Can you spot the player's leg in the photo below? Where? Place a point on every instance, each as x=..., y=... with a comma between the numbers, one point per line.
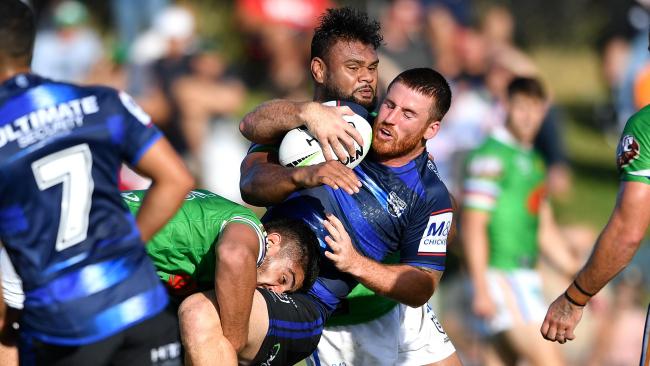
x=201, y=332
x=371, y=343
x=527, y=344
x=423, y=341
x=9, y=337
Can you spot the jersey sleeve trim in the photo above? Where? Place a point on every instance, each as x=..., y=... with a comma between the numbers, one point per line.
x=146, y=147
x=479, y=201
x=261, y=235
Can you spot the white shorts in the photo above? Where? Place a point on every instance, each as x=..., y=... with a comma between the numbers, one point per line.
x=12, y=286
x=404, y=336
x=518, y=298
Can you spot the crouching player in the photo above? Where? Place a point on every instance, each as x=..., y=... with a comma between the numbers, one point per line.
x=218, y=249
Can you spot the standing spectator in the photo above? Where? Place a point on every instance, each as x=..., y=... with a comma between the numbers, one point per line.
x=504, y=210
x=70, y=50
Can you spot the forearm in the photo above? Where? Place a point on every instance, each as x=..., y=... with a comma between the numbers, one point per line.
x=266, y=184
x=271, y=120
x=475, y=245
x=404, y=283
x=614, y=249
x=235, y=286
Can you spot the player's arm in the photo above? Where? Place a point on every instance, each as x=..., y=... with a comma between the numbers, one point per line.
x=235, y=280
x=552, y=243
x=614, y=249
x=475, y=242
x=170, y=183
x=407, y=284
x=265, y=182
x=268, y=123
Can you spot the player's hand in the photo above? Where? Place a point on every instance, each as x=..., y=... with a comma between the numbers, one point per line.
x=331, y=173
x=327, y=125
x=561, y=320
x=483, y=306
x=343, y=253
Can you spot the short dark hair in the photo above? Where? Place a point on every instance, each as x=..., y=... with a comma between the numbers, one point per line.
x=344, y=24
x=300, y=244
x=431, y=83
x=17, y=31
x=530, y=87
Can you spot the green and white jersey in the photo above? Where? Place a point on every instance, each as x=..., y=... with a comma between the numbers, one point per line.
x=633, y=155
x=507, y=181
x=183, y=251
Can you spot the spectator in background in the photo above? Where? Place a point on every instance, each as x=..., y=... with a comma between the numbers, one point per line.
x=190, y=84
x=70, y=50
x=132, y=17
x=405, y=45
x=504, y=211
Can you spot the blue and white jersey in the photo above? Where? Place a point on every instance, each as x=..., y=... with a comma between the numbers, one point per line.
x=405, y=210
x=72, y=240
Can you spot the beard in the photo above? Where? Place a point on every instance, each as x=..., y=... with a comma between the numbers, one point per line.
x=398, y=146
x=331, y=92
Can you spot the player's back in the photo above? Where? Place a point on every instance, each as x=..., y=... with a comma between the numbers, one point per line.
x=72, y=241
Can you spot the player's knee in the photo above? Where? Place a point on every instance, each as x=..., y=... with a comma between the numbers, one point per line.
x=198, y=319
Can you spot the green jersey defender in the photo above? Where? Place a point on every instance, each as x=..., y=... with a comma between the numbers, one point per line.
x=183, y=251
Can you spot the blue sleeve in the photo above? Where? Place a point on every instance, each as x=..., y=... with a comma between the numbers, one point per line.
x=133, y=130
x=424, y=243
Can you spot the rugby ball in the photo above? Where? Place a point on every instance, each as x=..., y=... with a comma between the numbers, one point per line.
x=299, y=148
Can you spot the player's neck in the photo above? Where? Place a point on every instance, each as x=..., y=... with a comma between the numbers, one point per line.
x=9, y=70
x=398, y=161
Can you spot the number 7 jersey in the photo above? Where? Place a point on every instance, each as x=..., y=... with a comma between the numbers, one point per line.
x=72, y=240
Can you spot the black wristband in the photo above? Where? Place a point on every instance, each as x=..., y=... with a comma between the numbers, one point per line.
x=572, y=301
x=575, y=283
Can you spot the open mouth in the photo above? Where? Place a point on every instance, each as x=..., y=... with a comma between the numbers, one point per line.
x=385, y=133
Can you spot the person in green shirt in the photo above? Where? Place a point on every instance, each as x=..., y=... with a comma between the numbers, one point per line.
x=619, y=240
x=504, y=209
x=219, y=249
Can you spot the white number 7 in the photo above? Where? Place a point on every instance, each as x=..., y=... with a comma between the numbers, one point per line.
x=72, y=168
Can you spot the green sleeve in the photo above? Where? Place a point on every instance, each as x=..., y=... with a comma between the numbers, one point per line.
x=482, y=182
x=633, y=152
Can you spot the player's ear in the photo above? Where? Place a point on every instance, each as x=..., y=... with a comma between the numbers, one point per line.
x=432, y=130
x=318, y=69
x=274, y=241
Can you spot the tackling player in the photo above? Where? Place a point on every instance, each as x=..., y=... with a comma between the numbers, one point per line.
x=619, y=240
x=91, y=292
x=344, y=66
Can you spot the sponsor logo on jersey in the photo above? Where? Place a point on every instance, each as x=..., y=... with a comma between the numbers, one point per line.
x=272, y=355
x=628, y=150
x=130, y=196
x=198, y=195
x=434, y=238
x=135, y=109
x=396, y=205
x=168, y=352
x=45, y=122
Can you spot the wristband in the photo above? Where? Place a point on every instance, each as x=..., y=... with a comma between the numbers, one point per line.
x=575, y=283
x=566, y=295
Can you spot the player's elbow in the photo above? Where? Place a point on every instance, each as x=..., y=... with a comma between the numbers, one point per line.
x=184, y=181
x=235, y=257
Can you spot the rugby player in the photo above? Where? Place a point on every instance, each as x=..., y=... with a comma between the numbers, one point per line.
x=504, y=209
x=91, y=293
x=619, y=240
x=344, y=66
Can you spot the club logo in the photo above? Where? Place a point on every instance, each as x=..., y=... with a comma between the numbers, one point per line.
x=628, y=150
x=396, y=205
x=272, y=355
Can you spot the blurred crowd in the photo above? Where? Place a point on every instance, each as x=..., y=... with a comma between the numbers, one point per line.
x=155, y=51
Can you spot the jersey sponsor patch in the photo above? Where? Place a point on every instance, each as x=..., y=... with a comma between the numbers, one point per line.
x=628, y=150
x=135, y=109
x=434, y=238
